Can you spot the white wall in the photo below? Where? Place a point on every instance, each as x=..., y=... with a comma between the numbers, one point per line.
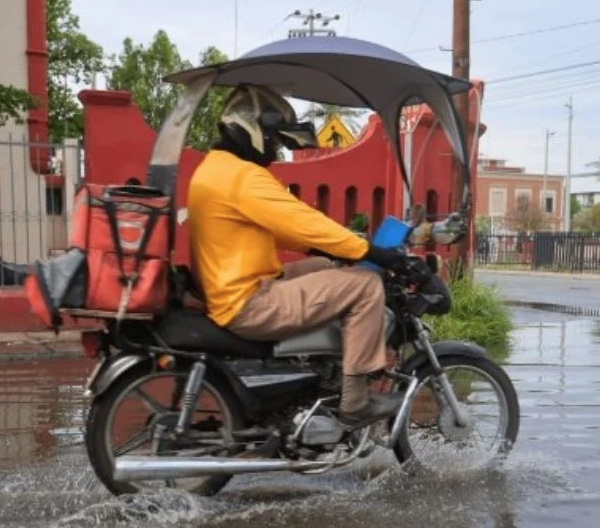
x=22, y=192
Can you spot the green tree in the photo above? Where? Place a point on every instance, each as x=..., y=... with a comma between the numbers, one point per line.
x=72, y=59
x=140, y=70
x=575, y=207
x=588, y=220
x=13, y=103
x=526, y=217
x=483, y=225
x=204, y=130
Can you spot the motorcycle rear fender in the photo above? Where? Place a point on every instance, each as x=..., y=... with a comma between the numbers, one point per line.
x=441, y=349
x=118, y=365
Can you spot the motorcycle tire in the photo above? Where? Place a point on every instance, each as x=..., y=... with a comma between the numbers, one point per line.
x=97, y=425
x=403, y=450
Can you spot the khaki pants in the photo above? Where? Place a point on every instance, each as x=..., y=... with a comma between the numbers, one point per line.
x=312, y=292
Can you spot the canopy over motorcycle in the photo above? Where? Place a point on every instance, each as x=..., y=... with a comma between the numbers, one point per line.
x=335, y=70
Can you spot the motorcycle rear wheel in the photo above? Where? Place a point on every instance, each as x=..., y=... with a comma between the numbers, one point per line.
x=100, y=425
x=447, y=431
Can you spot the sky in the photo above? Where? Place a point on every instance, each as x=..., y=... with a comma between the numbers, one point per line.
x=517, y=112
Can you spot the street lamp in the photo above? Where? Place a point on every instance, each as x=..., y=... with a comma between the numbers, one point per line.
x=549, y=134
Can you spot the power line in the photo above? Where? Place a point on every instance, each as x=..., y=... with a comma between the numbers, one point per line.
x=544, y=72
x=547, y=58
x=536, y=98
x=416, y=23
x=538, y=31
x=558, y=85
x=517, y=35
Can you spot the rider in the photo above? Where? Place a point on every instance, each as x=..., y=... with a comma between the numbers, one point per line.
x=240, y=214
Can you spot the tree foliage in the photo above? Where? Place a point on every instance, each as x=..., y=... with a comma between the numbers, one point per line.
x=575, y=207
x=140, y=69
x=526, y=217
x=204, y=131
x=72, y=59
x=13, y=103
x=588, y=220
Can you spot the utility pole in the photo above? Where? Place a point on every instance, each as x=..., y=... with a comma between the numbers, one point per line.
x=309, y=20
x=461, y=39
x=567, y=207
x=549, y=134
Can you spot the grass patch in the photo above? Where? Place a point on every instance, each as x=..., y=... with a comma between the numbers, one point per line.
x=478, y=315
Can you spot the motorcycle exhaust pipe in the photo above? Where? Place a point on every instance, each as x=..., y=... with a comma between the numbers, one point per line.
x=136, y=468
x=132, y=468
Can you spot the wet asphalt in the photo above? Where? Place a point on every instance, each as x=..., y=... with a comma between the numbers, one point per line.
x=550, y=479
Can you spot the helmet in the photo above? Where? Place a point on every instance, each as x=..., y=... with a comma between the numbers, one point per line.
x=260, y=118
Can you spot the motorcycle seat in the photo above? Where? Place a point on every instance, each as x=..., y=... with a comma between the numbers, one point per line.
x=193, y=330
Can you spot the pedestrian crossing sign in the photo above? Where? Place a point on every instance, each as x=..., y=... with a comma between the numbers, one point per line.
x=335, y=134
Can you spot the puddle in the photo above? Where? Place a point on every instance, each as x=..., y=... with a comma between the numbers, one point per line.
x=550, y=478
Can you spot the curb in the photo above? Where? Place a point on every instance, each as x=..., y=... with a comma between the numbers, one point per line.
x=21, y=346
x=560, y=275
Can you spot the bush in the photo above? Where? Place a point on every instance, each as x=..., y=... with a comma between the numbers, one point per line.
x=478, y=315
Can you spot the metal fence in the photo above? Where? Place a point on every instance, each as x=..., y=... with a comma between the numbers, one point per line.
x=574, y=252
x=37, y=181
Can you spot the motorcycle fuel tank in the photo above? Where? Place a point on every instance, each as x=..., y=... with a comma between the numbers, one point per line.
x=323, y=340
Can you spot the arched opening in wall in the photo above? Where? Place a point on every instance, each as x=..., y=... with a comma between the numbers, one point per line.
x=323, y=198
x=295, y=189
x=432, y=205
x=377, y=210
x=350, y=205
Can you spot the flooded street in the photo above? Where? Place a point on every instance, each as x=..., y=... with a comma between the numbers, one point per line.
x=550, y=479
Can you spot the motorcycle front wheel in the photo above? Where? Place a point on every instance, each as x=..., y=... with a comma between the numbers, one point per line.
x=128, y=419
x=431, y=439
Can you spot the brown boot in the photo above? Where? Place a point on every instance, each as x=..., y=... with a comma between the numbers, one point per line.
x=359, y=408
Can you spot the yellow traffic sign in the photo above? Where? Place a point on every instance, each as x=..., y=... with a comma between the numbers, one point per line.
x=334, y=133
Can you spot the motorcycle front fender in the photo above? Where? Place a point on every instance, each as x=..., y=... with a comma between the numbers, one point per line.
x=441, y=349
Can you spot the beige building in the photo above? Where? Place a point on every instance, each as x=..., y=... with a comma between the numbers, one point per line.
x=514, y=199
x=32, y=204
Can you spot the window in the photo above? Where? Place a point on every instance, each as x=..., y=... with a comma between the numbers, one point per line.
x=432, y=205
x=294, y=188
x=54, y=201
x=522, y=193
x=523, y=203
x=497, y=201
x=350, y=205
x=549, y=202
x=378, y=209
x=323, y=199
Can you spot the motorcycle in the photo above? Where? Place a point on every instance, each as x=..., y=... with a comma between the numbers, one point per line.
x=177, y=401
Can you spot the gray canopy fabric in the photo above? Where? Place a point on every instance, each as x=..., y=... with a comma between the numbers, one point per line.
x=335, y=70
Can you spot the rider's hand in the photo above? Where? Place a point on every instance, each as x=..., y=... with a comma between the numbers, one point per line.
x=418, y=272
x=393, y=259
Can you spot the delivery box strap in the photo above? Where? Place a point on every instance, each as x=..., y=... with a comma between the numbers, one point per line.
x=110, y=209
x=124, y=301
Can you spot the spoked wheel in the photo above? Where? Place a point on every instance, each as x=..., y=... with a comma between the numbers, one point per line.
x=133, y=415
x=431, y=439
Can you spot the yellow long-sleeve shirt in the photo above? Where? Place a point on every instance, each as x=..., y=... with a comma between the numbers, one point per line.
x=239, y=214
